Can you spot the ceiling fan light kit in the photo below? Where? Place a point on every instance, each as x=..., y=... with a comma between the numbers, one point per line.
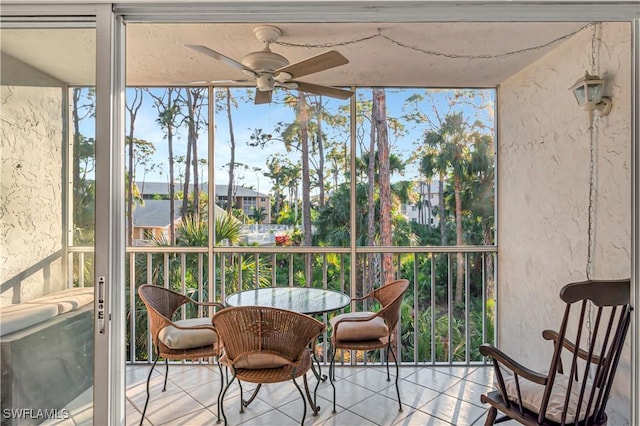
x=271, y=69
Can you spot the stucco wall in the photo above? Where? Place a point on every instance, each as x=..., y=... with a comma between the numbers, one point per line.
x=543, y=191
x=30, y=181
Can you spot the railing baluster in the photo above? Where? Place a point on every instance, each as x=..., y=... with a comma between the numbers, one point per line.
x=449, y=306
x=484, y=300
x=416, y=306
x=467, y=300
x=433, y=308
x=200, y=283
x=132, y=306
x=183, y=280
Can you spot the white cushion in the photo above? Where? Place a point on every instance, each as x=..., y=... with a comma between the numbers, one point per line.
x=176, y=338
x=261, y=360
x=66, y=300
x=532, y=394
x=354, y=331
x=17, y=317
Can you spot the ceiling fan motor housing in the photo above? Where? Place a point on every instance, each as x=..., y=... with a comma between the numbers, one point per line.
x=264, y=61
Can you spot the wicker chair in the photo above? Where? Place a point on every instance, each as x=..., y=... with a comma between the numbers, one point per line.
x=176, y=340
x=366, y=331
x=578, y=397
x=266, y=345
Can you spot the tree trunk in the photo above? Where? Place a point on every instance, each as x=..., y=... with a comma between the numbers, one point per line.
x=443, y=224
x=428, y=203
x=490, y=282
x=306, y=181
x=172, y=189
x=370, y=275
x=133, y=111
x=384, y=181
x=232, y=160
x=320, y=145
x=457, y=188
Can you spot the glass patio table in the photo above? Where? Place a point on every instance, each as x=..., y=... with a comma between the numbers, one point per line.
x=305, y=300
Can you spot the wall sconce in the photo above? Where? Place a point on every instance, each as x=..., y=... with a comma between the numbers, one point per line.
x=588, y=93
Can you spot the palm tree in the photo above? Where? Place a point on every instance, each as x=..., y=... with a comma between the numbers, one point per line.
x=458, y=151
x=258, y=216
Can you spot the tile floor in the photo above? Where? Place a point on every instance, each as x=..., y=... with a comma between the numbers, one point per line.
x=436, y=396
x=431, y=396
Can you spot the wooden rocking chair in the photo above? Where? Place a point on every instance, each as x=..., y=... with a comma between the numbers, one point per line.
x=579, y=396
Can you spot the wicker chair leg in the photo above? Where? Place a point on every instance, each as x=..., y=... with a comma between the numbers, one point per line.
x=253, y=396
x=332, y=376
x=395, y=358
x=312, y=401
x=387, y=363
x=241, y=400
x=221, y=388
x=166, y=374
x=304, y=401
x=224, y=392
x=144, y=410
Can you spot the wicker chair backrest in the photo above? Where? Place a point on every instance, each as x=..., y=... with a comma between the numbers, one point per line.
x=250, y=329
x=390, y=297
x=161, y=304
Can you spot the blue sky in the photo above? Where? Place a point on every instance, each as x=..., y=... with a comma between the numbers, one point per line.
x=249, y=116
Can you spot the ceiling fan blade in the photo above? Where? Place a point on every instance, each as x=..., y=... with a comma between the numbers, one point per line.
x=263, y=97
x=219, y=56
x=317, y=63
x=316, y=89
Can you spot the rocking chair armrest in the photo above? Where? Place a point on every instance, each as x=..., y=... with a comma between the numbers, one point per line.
x=567, y=344
x=511, y=364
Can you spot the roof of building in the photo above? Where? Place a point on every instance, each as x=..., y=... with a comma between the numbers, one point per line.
x=155, y=213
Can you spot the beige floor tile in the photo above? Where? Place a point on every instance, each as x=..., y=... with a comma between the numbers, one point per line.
x=132, y=415
x=347, y=393
x=232, y=409
x=381, y=410
x=373, y=379
x=419, y=418
x=347, y=418
x=188, y=377
x=468, y=391
x=197, y=418
x=411, y=394
x=294, y=410
x=164, y=406
x=272, y=418
x=482, y=376
x=453, y=410
x=433, y=379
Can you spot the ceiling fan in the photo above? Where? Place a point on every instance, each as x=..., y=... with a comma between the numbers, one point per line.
x=270, y=69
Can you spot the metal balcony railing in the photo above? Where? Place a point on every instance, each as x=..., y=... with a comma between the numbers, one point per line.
x=439, y=324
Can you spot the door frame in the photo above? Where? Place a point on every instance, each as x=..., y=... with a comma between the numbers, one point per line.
x=109, y=361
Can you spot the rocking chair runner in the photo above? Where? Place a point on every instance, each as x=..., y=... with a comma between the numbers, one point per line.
x=580, y=396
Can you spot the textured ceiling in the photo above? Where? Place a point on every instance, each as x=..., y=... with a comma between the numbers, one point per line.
x=156, y=53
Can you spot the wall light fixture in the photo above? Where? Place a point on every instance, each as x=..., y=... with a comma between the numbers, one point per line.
x=588, y=93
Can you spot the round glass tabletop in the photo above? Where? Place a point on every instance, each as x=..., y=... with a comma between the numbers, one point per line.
x=299, y=299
